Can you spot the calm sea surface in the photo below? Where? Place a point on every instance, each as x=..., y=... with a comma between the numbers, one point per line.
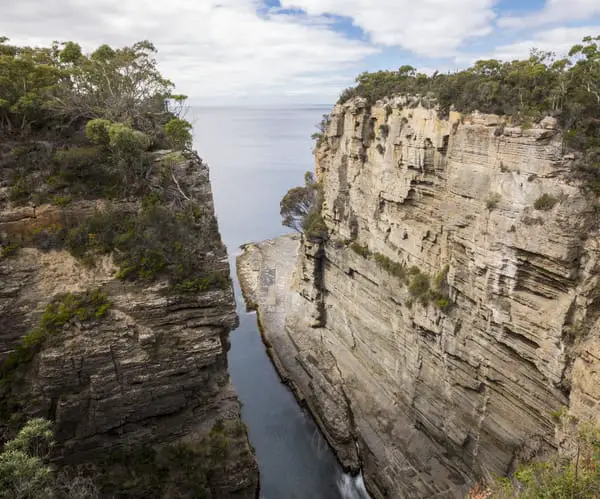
x=255, y=156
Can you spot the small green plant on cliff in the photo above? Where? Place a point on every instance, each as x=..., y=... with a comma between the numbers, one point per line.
x=320, y=136
x=91, y=305
x=360, y=250
x=8, y=250
x=492, y=201
x=394, y=268
x=545, y=202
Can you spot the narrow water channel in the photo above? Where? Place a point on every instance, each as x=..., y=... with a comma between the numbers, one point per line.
x=255, y=156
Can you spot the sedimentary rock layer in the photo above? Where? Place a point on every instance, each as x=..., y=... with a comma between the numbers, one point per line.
x=151, y=372
x=441, y=388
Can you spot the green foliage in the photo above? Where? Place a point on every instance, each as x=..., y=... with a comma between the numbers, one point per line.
x=215, y=280
x=97, y=131
x=394, y=268
x=184, y=469
x=545, y=202
x=8, y=250
x=23, y=470
x=57, y=86
x=301, y=207
x=92, y=305
x=492, y=201
x=419, y=287
x=152, y=243
x=127, y=143
x=361, y=250
x=179, y=133
x=321, y=136
x=576, y=474
x=61, y=201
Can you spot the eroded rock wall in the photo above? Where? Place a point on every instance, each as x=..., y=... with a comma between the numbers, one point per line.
x=152, y=371
x=440, y=394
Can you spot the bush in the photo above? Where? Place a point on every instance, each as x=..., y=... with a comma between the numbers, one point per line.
x=419, y=287
x=23, y=470
x=396, y=269
x=8, y=250
x=179, y=133
x=545, y=202
x=360, y=250
x=492, y=201
x=574, y=475
x=156, y=242
x=97, y=132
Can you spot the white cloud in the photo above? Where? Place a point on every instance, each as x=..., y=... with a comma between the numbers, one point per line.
x=210, y=48
x=554, y=11
x=557, y=40
x=430, y=28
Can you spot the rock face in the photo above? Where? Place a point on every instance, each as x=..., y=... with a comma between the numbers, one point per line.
x=438, y=390
x=153, y=371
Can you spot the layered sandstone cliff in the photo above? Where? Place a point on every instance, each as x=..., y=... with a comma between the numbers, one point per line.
x=150, y=371
x=441, y=383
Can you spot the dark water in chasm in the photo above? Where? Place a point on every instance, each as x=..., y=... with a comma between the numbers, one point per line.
x=255, y=155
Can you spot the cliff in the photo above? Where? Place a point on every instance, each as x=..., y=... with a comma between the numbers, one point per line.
x=453, y=309
x=125, y=368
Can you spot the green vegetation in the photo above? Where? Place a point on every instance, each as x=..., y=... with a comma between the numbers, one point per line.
x=526, y=90
x=151, y=243
x=187, y=467
x=361, y=250
x=492, y=201
x=117, y=95
x=394, y=268
x=8, y=250
x=301, y=209
x=24, y=470
x=573, y=474
x=321, y=135
x=92, y=305
x=420, y=286
x=545, y=202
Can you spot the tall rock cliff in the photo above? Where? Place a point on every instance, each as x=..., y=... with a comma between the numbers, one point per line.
x=453, y=309
x=133, y=367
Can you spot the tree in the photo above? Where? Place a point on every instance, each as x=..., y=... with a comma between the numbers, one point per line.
x=300, y=208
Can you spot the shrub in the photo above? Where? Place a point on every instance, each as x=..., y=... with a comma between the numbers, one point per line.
x=576, y=474
x=384, y=130
x=419, y=287
x=492, y=201
x=545, y=202
x=360, y=250
x=179, y=133
x=61, y=201
x=23, y=472
x=8, y=250
x=396, y=269
x=97, y=132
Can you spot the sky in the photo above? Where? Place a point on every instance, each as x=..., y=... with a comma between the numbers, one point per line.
x=260, y=52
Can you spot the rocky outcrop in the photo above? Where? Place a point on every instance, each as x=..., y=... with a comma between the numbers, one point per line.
x=454, y=307
x=152, y=371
